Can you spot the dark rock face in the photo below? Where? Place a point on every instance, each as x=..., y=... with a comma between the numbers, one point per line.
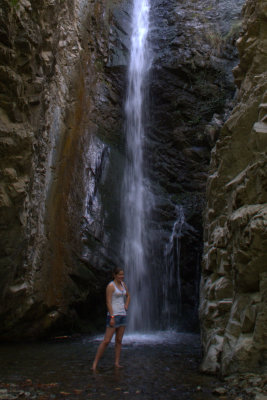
x=191, y=85
x=36, y=67
x=60, y=121
x=233, y=290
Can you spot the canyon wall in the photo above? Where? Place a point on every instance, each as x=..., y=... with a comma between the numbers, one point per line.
x=233, y=307
x=61, y=77
x=62, y=151
x=191, y=92
x=62, y=157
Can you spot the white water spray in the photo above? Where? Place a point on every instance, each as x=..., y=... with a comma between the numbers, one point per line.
x=135, y=192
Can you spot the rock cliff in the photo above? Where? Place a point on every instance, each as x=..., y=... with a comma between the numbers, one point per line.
x=59, y=62
x=233, y=307
x=191, y=90
x=63, y=67
x=62, y=74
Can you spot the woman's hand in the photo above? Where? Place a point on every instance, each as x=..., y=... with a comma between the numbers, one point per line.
x=126, y=307
x=112, y=322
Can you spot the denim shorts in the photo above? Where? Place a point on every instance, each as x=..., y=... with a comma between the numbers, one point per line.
x=120, y=320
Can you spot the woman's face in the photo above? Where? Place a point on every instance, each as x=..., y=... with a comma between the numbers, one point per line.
x=120, y=276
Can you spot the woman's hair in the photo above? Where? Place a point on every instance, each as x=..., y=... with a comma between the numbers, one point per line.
x=117, y=270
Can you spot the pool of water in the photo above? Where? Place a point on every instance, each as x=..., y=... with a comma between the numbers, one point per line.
x=156, y=366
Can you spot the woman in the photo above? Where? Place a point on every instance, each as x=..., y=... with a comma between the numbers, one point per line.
x=118, y=299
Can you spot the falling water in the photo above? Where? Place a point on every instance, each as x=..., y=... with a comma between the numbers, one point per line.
x=135, y=191
x=172, y=296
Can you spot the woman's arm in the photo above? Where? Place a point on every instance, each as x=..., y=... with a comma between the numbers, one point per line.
x=109, y=291
x=128, y=298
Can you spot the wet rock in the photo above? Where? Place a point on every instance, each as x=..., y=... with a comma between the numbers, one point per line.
x=260, y=397
x=220, y=391
x=62, y=143
x=248, y=384
x=234, y=264
x=49, y=75
x=190, y=85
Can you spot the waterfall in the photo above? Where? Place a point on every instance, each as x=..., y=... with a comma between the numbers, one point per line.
x=172, y=296
x=135, y=192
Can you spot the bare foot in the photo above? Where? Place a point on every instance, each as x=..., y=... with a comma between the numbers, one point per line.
x=93, y=368
x=118, y=366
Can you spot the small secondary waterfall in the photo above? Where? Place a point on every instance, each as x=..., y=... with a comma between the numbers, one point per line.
x=135, y=193
x=172, y=296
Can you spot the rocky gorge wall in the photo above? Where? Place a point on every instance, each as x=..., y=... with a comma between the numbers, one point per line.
x=62, y=156
x=62, y=146
x=191, y=91
x=36, y=67
x=233, y=307
x=54, y=89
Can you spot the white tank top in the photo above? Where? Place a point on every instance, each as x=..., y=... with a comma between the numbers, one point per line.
x=118, y=300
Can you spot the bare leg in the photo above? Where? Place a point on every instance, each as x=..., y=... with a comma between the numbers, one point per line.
x=102, y=347
x=118, y=341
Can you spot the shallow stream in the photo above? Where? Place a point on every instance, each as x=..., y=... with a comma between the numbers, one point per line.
x=163, y=365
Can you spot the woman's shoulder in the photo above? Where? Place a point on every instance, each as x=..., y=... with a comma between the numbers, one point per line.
x=111, y=285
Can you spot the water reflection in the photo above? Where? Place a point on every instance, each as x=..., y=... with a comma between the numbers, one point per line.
x=159, y=337
x=163, y=365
